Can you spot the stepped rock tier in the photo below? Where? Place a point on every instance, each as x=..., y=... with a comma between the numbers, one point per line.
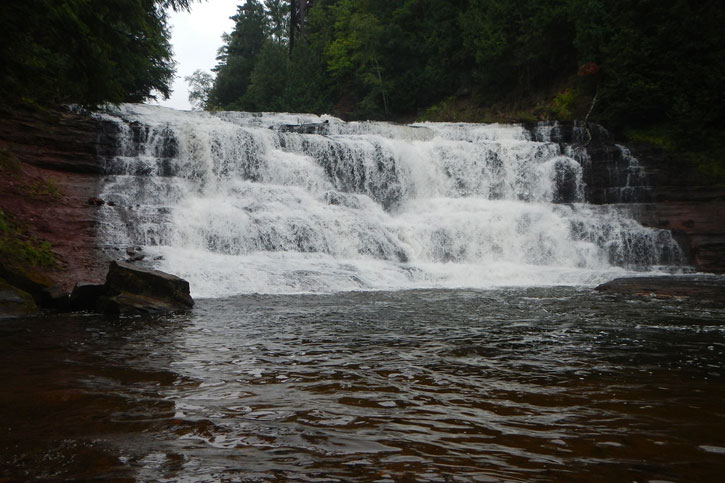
x=285, y=203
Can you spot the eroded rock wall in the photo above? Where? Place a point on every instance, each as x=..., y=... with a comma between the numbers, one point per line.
x=53, y=165
x=659, y=190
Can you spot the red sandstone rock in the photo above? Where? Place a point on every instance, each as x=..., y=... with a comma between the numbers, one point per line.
x=58, y=169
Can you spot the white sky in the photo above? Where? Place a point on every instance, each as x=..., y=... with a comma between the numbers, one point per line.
x=196, y=36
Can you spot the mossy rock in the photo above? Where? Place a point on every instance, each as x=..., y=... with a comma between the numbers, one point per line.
x=15, y=302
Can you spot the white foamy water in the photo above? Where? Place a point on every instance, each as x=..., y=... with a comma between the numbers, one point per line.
x=241, y=203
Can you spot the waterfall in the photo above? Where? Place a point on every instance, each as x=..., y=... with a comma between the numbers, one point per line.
x=285, y=203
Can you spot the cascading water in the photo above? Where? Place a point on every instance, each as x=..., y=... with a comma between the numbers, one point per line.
x=245, y=203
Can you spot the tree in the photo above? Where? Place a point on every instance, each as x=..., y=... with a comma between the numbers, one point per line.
x=238, y=55
x=309, y=87
x=200, y=85
x=268, y=79
x=278, y=14
x=85, y=51
x=354, y=56
x=298, y=13
x=519, y=47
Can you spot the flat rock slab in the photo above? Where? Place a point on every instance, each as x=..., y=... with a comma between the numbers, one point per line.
x=704, y=287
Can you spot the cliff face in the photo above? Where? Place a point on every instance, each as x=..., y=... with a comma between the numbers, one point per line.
x=52, y=165
x=656, y=189
x=683, y=203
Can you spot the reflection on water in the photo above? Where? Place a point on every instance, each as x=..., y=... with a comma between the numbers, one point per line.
x=515, y=385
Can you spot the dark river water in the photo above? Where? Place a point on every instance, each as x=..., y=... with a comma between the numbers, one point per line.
x=532, y=384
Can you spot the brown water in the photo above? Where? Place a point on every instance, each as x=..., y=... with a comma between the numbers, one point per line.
x=512, y=385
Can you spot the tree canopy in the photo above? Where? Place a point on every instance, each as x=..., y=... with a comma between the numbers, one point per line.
x=87, y=52
x=646, y=63
x=649, y=59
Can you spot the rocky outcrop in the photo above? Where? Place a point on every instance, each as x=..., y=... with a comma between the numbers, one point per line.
x=52, y=163
x=130, y=289
x=698, y=225
x=701, y=287
x=610, y=172
x=658, y=190
x=322, y=128
x=15, y=302
x=51, y=169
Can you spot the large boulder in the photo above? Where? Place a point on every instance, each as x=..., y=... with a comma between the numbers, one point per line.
x=132, y=290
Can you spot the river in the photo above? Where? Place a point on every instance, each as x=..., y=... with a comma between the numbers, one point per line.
x=521, y=384
x=375, y=302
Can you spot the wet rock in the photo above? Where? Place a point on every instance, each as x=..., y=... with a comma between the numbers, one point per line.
x=697, y=225
x=701, y=287
x=566, y=188
x=135, y=254
x=130, y=289
x=42, y=288
x=129, y=303
x=15, y=302
x=308, y=128
x=659, y=189
x=54, y=296
x=70, y=152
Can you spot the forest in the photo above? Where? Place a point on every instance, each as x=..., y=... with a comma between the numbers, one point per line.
x=645, y=60
x=648, y=70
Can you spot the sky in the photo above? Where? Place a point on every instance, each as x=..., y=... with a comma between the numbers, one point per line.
x=196, y=36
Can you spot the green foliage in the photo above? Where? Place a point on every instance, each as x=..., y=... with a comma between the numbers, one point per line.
x=278, y=12
x=658, y=137
x=518, y=47
x=18, y=249
x=561, y=106
x=200, y=85
x=238, y=56
x=447, y=110
x=87, y=52
x=268, y=79
x=257, y=71
x=647, y=63
x=355, y=56
x=308, y=85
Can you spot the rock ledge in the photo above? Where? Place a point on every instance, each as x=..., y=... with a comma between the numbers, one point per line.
x=686, y=286
x=133, y=290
